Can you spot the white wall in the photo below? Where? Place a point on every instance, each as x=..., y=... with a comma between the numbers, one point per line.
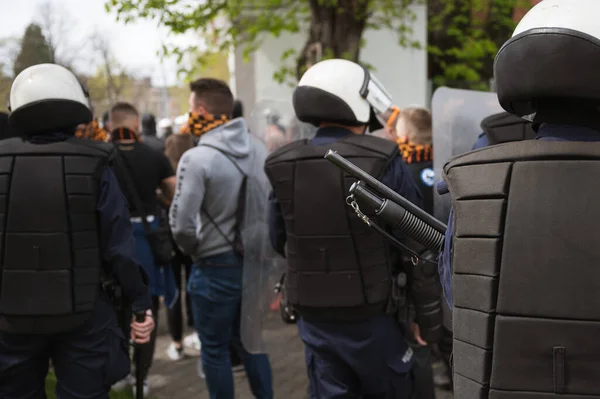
x=402, y=71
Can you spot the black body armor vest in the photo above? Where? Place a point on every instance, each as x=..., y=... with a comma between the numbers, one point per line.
x=49, y=241
x=419, y=159
x=506, y=128
x=339, y=269
x=526, y=271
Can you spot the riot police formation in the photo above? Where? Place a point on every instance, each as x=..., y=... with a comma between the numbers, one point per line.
x=521, y=246
x=66, y=234
x=347, y=284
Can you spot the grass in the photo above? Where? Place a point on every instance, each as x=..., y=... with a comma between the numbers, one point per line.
x=51, y=386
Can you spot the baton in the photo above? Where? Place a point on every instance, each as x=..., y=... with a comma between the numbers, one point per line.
x=139, y=382
x=383, y=190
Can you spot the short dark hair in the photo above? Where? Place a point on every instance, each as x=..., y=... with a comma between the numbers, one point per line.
x=238, y=109
x=120, y=111
x=214, y=95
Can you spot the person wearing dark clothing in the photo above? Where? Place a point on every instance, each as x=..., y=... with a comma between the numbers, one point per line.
x=238, y=109
x=149, y=133
x=65, y=216
x=175, y=146
x=149, y=170
x=341, y=274
x=414, y=130
x=519, y=263
x=5, y=128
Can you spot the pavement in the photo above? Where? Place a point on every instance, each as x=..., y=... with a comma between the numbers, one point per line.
x=179, y=380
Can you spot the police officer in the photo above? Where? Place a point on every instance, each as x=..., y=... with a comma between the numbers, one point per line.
x=65, y=225
x=5, y=129
x=522, y=246
x=341, y=275
x=414, y=130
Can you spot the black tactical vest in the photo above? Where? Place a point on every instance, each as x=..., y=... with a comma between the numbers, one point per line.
x=526, y=271
x=505, y=128
x=50, y=260
x=419, y=159
x=338, y=267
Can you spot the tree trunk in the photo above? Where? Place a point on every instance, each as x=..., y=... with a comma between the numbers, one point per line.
x=335, y=32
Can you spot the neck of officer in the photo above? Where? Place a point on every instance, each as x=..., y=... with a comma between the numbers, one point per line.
x=354, y=129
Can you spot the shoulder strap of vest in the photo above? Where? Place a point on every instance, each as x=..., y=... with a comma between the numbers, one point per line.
x=505, y=127
x=71, y=146
x=372, y=143
x=352, y=145
x=527, y=150
x=283, y=152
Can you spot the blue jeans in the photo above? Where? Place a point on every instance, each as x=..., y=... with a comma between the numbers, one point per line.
x=215, y=288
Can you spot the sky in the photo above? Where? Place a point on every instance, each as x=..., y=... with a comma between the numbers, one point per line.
x=135, y=45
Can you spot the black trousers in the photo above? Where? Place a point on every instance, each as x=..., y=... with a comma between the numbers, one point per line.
x=86, y=360
x=424, y=387
x=175, y=314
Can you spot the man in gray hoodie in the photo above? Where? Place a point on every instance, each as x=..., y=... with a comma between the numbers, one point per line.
x=204, y=223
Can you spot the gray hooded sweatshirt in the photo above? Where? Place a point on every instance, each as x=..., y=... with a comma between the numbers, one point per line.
x=207, y=179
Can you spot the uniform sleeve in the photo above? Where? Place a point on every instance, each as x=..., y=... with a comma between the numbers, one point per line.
x=117, y=242
x=277, y=233
x=397, y=177
x=445, y=262
x=189, y=194
x=482, y=141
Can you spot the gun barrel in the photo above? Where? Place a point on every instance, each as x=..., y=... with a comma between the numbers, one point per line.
x=383, y=190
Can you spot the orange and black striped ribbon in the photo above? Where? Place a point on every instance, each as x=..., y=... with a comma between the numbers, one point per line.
x=200, y=124
x=415, y=153
x=123, y=133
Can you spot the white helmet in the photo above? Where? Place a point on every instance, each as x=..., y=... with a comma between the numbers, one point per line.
x=48, y=97
x=548, y=70
x=339, y=91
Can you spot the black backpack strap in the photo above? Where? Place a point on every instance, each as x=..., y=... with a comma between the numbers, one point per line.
x=239, y=213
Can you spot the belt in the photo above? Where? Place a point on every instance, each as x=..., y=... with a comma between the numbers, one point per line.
x=138, y=219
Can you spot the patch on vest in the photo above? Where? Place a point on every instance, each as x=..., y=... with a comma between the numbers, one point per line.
x=407, y=355
x=428, y=177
